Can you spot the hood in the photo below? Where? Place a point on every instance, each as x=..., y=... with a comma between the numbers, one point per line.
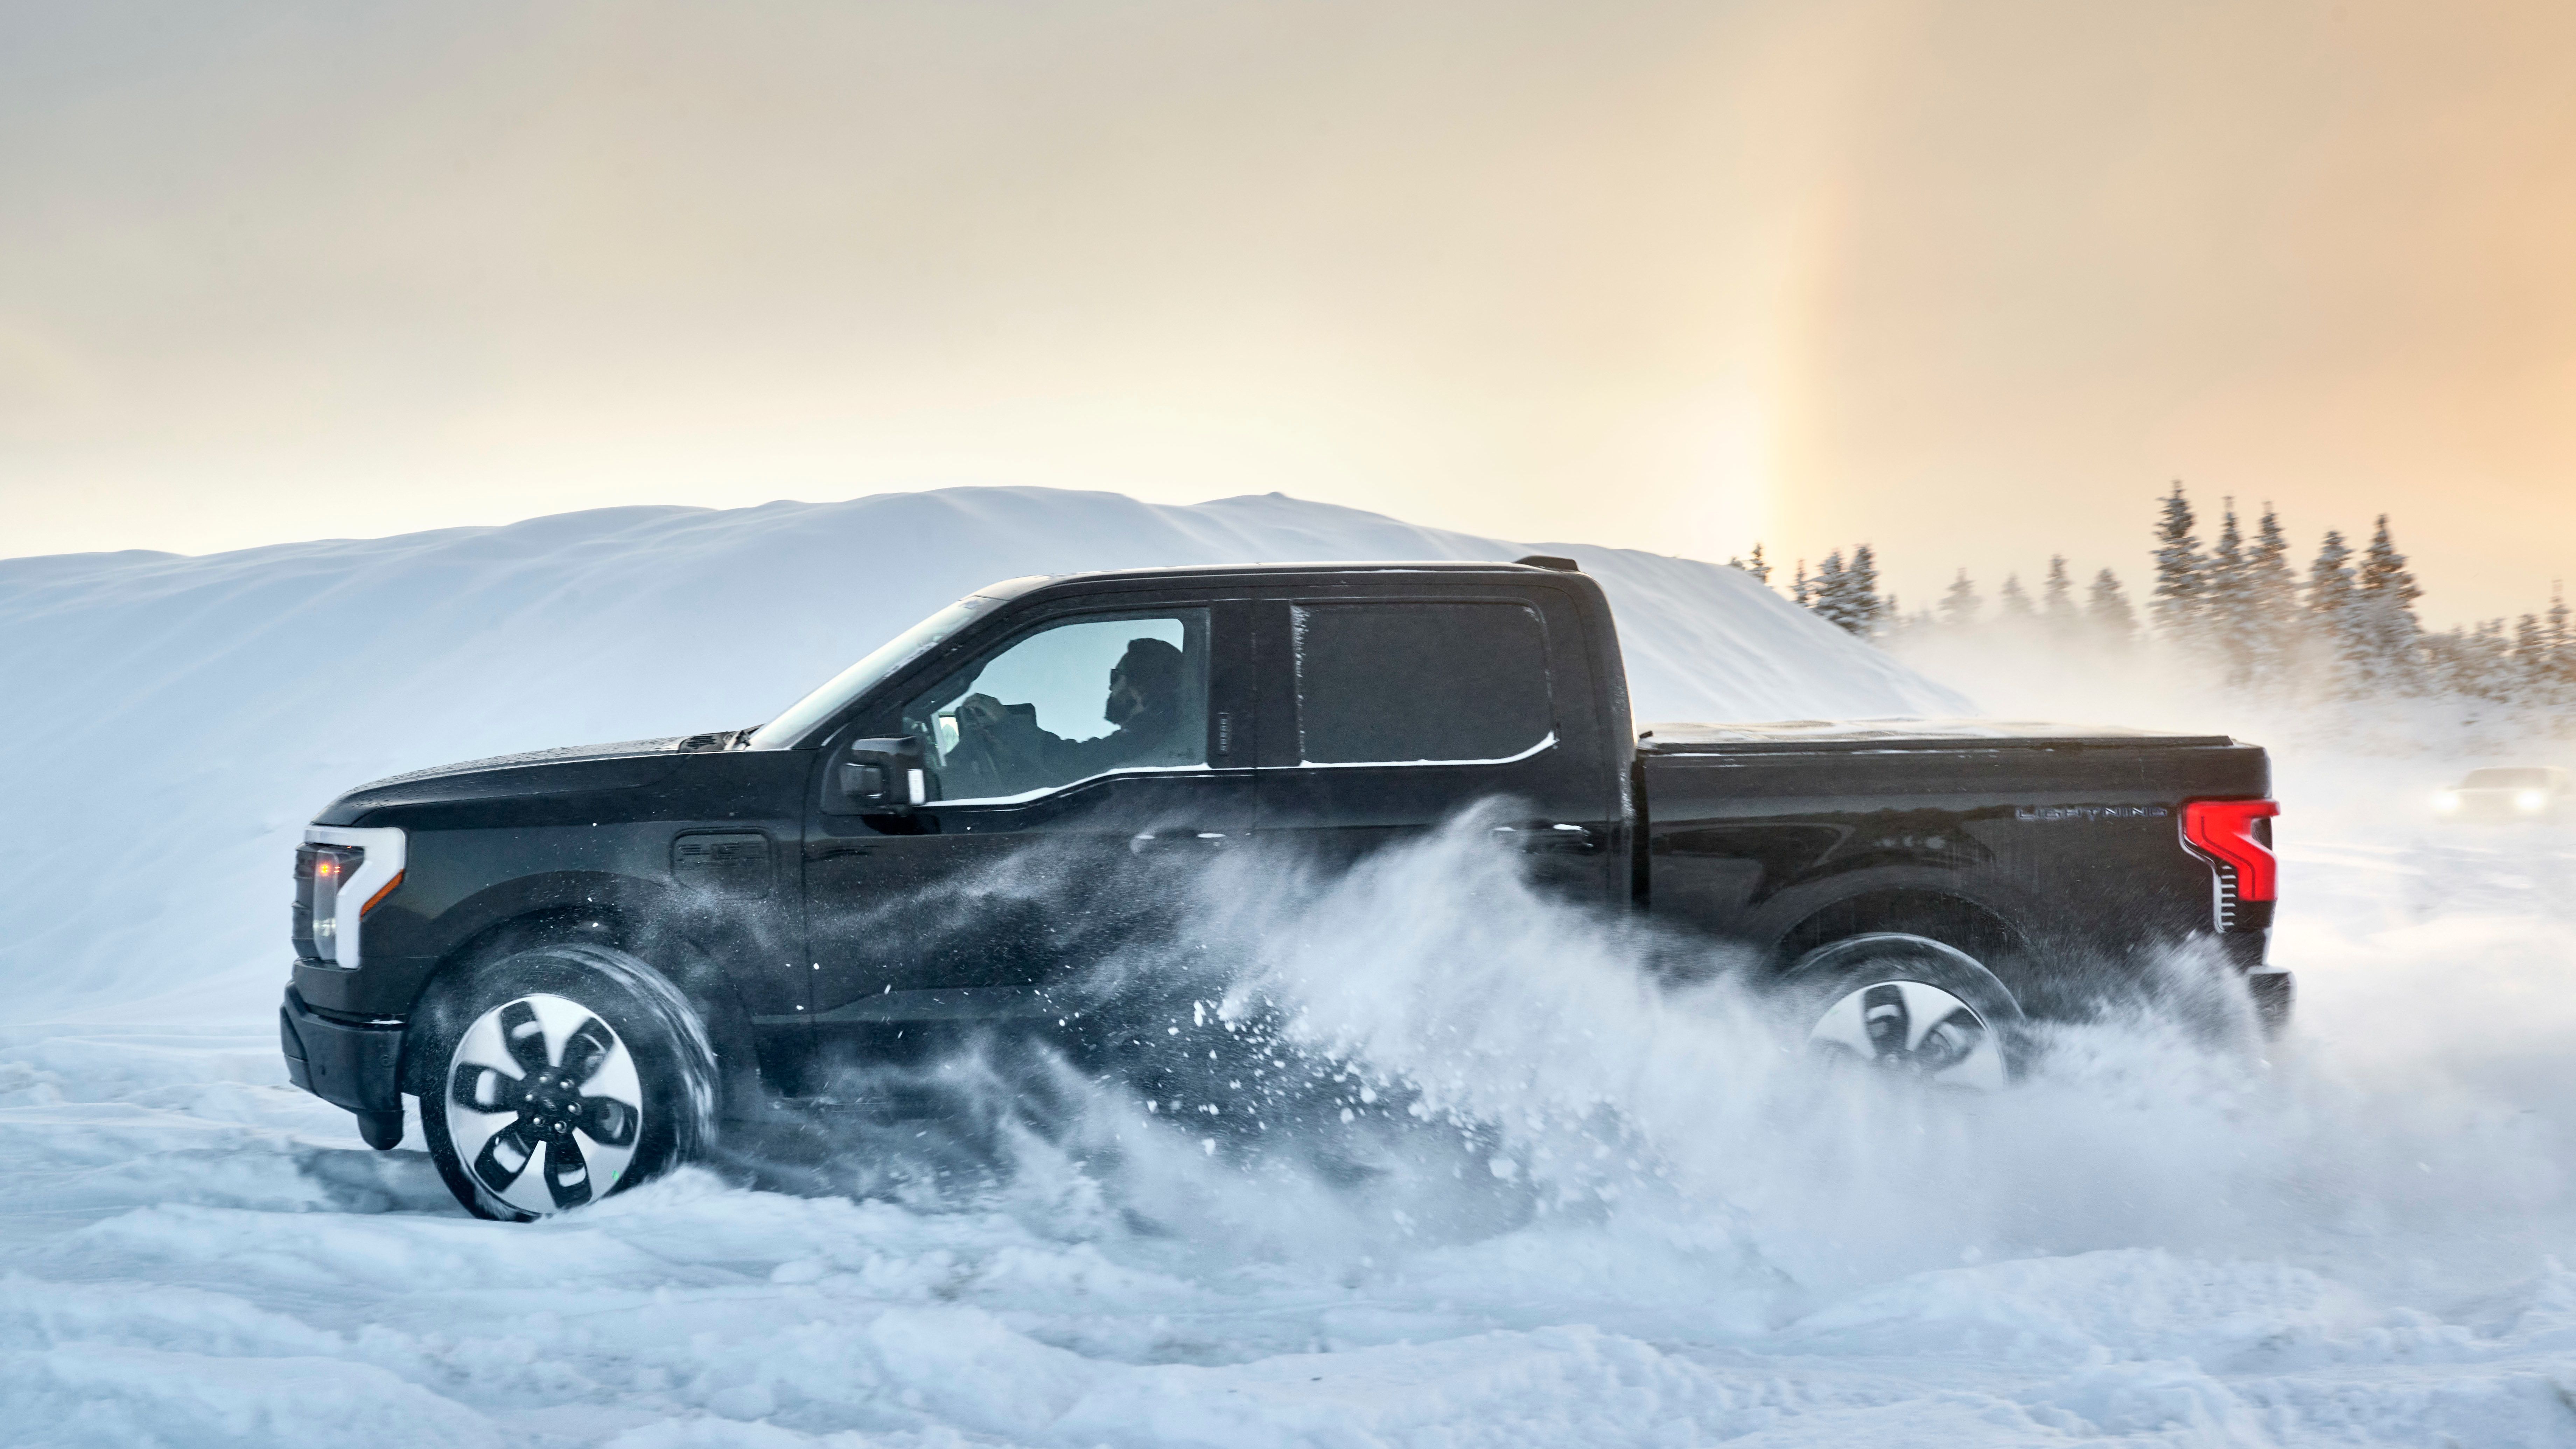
x=568, y=770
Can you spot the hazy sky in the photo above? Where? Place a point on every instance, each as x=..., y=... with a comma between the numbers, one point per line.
x=1969, y=279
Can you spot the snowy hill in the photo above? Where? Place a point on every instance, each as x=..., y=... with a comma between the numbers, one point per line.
x=174, y=721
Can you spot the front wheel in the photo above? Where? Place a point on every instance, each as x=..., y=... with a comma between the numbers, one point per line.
x=1908, y=1005
x=564, y=1074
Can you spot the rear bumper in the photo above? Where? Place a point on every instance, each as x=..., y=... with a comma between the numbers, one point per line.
x=2274, y=990
x=345, y=1064
x=2275, y=993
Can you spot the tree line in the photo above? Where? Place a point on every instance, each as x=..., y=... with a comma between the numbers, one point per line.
x=2236, y=608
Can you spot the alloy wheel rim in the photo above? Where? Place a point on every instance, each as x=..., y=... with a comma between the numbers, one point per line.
x=1914, y=1028
x=544, y=1105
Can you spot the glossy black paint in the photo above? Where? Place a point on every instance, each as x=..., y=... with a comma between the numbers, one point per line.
x=2060, y=862
x=808, y=931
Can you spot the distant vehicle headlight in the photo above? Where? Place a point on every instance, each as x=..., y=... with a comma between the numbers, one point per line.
x=2530, y=800
x=2446, y=801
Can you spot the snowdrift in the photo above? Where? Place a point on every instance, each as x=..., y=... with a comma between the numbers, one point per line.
x=174, y=721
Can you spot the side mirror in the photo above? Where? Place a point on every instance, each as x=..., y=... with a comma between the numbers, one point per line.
x=882, y=775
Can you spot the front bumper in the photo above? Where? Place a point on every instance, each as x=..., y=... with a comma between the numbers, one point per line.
x=351, y=1065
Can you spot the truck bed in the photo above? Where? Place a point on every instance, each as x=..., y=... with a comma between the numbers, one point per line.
x=2056, y=848
x=1807, y=736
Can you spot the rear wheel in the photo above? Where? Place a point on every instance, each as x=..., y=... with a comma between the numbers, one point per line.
x=563, y=1074
x=1908, y=1005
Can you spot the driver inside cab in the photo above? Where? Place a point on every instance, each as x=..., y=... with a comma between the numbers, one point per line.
x=1144, y=703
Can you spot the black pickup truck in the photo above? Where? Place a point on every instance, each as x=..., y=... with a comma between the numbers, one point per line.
x=586, y=962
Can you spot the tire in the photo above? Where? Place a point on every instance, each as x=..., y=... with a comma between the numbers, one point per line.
x=1908, y=1005
x=557, y=1076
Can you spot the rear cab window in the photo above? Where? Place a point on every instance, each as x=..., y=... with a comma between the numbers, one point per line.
x=1419, y=683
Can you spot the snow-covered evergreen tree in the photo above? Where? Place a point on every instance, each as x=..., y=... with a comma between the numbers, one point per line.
x=1760, y=570
x=2227, y=626
x=2271, y=602
x=2057, y=597
x=2381, y=647
x=2016, y=602
x=2107, y=615
x=1845, y=595
x=1826, y=590
x=1860, y=587
x=2472, y=663
x=2561, y=694
x=1801, y=592
x=2330, y=608
x=2179, y=569
x=1960, y=605
x=2532, y=666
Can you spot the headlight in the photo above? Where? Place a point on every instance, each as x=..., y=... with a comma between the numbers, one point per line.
x=2446, y=800
x=2530, y=800
x=341, y=874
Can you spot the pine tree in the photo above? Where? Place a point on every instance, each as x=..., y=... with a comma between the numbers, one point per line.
x=2561, y=693
x=1861, y=588
x=1755, y=566
x=1801, y=592
x=1960, y=604
x=2271, y=602
x=2491, y=663
x=2179, y=568
x=2382, y=645
x=2532, y=665
x=2057, y=600
x=2017, y=609
x=1828, y=590
x=2227, y=626
x=2330, y=609
x=2108, y=615
x=2473, y=663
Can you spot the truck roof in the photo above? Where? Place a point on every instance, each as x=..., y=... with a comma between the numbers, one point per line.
x=1013, y=588
x=1843, y=736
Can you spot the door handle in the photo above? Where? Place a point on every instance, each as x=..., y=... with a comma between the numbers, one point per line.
x=1549, y=837
x=835, y=849
x=1172, y=840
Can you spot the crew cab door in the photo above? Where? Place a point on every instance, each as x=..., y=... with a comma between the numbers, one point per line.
x=1388, y=708
x=1023, y=864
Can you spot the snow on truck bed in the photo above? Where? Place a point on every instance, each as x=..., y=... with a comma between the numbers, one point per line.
x=1620, y=1218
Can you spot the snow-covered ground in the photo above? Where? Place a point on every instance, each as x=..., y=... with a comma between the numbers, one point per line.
x=1653, y=1229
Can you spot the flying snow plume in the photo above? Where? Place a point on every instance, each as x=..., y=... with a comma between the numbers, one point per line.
x=1425, y=1062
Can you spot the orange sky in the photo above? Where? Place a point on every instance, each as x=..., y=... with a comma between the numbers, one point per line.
x=1971, y=279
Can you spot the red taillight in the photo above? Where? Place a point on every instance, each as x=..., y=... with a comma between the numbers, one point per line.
x=2223, y=830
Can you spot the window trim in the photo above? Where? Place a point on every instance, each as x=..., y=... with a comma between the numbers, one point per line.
x=1030, y=796
x=1533, y=752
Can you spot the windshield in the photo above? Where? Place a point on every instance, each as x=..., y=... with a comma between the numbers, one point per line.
x=2506, y=780
x=802, y=716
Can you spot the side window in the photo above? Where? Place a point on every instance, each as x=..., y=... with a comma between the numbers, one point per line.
x=1400, y=683
x=1073, y=700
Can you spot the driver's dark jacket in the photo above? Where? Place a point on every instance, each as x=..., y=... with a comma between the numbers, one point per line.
x=1030, y=757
